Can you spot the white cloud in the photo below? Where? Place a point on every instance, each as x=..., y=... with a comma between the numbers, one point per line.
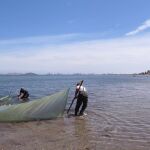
x=39, y=39
x=121, y=55
x=141, y=28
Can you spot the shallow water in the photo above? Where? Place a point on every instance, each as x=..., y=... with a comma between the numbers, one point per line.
x=118, y=114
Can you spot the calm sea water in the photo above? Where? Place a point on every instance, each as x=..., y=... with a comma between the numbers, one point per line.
x=118, y=108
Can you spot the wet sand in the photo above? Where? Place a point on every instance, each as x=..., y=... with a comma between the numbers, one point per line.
x=73, y=133
x=44, y=135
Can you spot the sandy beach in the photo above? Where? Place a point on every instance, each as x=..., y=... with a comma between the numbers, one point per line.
x=43, y=135
x=69, y=134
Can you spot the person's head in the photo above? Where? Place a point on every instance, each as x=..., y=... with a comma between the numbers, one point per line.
x=21, y=90
x=77, y=84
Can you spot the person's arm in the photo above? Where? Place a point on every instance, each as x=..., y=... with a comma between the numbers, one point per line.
x=75, y=95
x=77, y=91
x=21, y=95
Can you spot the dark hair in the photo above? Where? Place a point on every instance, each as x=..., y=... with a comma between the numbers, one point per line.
x=21, y=90
x=78, y=83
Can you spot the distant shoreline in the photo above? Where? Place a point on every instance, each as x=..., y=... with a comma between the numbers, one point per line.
x=51, y=74
x=143, y=73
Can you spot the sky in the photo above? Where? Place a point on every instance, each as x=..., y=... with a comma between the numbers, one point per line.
x=74, y=36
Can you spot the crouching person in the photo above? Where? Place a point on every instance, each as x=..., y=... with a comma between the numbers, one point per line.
x=23, y=95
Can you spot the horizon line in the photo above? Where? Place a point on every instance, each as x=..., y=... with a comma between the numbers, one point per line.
x=32, y=73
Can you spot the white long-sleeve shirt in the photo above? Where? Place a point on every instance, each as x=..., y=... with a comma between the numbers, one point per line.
x=82, y=90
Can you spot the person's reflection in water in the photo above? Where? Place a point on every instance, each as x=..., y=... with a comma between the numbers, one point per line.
x=81, y=132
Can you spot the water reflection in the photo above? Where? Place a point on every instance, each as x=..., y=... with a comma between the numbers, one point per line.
x=81, y=131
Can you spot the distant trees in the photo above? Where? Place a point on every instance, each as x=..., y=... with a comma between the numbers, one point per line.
x=145, y=73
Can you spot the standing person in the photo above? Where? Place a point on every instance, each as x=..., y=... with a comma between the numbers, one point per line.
x=82, y=99
x=23, y=95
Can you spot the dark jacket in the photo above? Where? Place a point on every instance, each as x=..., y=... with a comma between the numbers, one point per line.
x=23, y=93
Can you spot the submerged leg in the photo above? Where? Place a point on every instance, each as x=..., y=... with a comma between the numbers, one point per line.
x=78, y=104
x=85, y=101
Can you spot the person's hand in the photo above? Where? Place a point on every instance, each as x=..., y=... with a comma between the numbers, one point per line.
x=75, y=97
x=19, y=97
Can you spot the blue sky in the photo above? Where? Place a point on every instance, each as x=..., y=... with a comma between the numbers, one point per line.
x=74, y=36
